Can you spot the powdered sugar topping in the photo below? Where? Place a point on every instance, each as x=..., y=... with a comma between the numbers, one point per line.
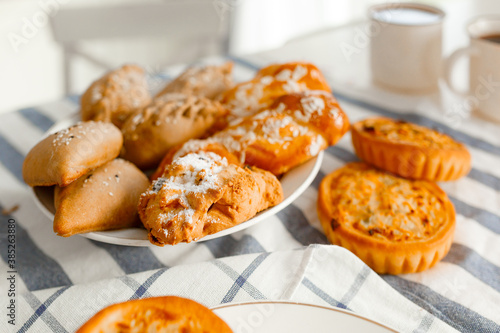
x=189, y=175
x=292, y=77
x=311, y=105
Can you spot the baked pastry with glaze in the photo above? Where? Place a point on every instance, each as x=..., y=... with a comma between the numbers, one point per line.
x=247, y=98
x=114, y=97
x=394, y=225
x=410, y=150
x=64, y=156
x=205, y=81
x=316, y=109
x=170, y=120
x=156, y=314
x=104, y=199
x=295, y=128
x=200, y=194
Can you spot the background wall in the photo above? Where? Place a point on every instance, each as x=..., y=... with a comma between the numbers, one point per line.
x=31, y=70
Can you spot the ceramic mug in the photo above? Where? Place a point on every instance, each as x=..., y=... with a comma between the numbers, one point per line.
x=483, y=94
x=406, y=47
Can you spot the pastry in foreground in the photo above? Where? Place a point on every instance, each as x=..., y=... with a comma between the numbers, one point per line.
x=114, y=97
x=393, y=224
x=410, y=150
x=156, y=314
x=271, y=82
x=200, y=194
x=205, y=81
x=64, y=156
x=171, y=119
x=104, y=199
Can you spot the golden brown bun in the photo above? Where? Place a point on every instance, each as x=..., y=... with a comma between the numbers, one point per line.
x=170, y=120
x=273, y=81
x=66, y=155
x=200, y=194
x=104, y=199
x=206, y=81
x=295, y=128
x=410, y=150
x=194, y=146
x=114, y=97
x=394, y=225
x=156, y=314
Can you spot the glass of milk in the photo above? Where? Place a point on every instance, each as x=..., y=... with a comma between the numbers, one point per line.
x=406, y=43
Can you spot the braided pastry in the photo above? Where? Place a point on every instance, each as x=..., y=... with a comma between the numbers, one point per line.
x=273, y=81
x=200, y=194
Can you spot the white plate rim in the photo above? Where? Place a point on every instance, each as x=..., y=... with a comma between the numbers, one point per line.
x=110, y=237
x=334, y=309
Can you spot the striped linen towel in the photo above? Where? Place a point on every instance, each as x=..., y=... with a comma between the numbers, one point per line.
x=60, y=282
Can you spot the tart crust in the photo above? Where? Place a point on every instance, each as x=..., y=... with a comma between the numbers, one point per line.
x=376, y=244
x=410, y=150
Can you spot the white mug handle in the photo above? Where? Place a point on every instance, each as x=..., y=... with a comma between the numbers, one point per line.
x=450, y=65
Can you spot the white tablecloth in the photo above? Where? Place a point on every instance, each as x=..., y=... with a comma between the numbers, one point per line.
x=61, y=282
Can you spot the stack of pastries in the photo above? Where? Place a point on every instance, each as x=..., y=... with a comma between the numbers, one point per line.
x=388, y=210
x=216, y=149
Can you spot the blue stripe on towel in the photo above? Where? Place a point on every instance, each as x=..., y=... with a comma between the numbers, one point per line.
x=229, y=246
x=143, y=288
x=131, y=259
x=47, y=317
x=299, y=227
x=343, y=154
x=41, y=309
x=36, y=269
x=476, y=265
x=37, y=118
x=75, y=99
x=11, y=159
x=242, y=279
x=321, y=294
x=452, y=313
x=134, y=286
x=485, y=178
x=357, y=284
x=485, y=218
x=244, y=63
x=232, y=274
x=425, y=324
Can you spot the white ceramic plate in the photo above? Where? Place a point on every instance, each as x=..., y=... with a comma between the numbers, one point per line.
x=294, y=182
x=268, y=316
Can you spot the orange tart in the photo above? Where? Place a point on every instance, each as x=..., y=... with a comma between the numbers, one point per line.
x=410, y=150
x=156, y=314
x=394, y=225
